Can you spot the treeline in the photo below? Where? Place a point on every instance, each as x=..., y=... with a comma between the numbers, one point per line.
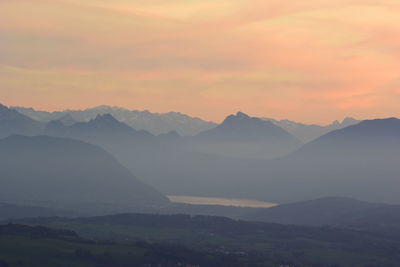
x=22, y=245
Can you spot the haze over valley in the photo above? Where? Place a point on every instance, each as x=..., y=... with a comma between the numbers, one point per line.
x=242, y=157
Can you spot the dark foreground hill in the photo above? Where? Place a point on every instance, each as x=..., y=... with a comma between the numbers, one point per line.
x=334, y=211
x=254, y=243
x=67, y=173
x=22, y=245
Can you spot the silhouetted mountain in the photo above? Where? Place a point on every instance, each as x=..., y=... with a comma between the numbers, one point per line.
x=105, y=123
x=57, y=171
x=12, y=122
x=323, y=211
x=102, y=130
x=156, y=123
x=380, y=134
x=241, y=127
x=243, y=136
x=359, y=161
x=309, y=132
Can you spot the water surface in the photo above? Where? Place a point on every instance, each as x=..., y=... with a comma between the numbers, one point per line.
x=221, y=201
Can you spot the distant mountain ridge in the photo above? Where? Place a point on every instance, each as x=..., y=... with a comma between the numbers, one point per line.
x=384, y=134
x=162, y=123
x=155, y=123
x=102, y=129
x=309, y=132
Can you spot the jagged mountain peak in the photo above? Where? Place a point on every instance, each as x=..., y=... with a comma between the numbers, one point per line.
x=244, y=122
x=238, y=116
x=367, y=127
x=155, y=123
x=105, y=118
x=243, y=115
x=241, y=119
x=104, y=123
x=241, y=126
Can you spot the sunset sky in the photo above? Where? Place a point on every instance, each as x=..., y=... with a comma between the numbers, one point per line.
x=311, y=61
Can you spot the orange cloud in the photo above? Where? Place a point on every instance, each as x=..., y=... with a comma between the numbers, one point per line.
x=312, y=61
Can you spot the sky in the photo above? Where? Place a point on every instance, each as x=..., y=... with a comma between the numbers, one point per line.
x=312, y=61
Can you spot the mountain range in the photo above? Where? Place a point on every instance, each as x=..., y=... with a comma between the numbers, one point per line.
x=309, y=132
x=238, y=136
x=155, y=123
x=103, y=130
x=162, y=123
x=359, y=161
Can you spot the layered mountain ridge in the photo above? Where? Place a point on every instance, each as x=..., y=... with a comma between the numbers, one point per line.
x=66, y=172
x=155, y=123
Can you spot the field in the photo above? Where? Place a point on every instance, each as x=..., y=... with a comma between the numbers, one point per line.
x=250, y=241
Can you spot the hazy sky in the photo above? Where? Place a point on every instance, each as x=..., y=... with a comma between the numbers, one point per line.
x=311, y=61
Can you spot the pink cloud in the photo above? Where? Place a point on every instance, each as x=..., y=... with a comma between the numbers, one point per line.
x=308, y=60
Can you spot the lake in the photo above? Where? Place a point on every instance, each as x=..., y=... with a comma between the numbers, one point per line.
x=221, y=201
